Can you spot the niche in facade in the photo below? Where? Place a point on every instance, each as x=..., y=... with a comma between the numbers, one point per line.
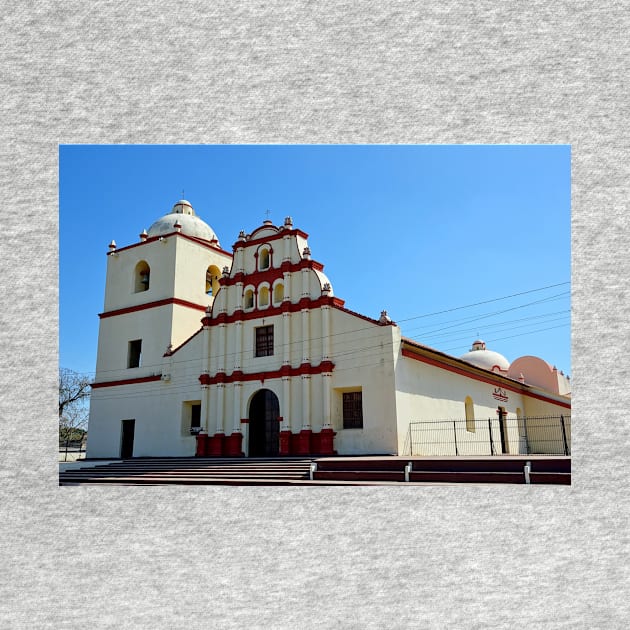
x=212, y=280
x=263, y=296
x=142, y=277
x=278, y=293
x=263, y=258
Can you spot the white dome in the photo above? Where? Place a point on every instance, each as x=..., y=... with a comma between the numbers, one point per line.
x=183, y=214
x=486, y=359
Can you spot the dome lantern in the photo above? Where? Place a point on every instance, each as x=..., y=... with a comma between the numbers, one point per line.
x=480, y=356
x=182, y=218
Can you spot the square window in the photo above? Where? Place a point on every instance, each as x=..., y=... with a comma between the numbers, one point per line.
x=134, y=354
x=353, y=410
x=264, y=341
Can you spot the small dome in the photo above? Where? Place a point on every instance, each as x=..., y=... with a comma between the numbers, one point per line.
x=183, y=207
x=486, y=359
x=184, y=214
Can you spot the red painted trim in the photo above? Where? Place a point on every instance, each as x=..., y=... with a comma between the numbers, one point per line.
x=274, y=237
x=142, y=307
x=271, y=274
x=286, y=370
x=478, y=377
x=194, y=239
x=305, y=303
x=127, y=381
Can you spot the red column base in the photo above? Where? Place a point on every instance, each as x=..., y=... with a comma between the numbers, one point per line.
x=285, y=443
x=304, y=442
x=233, y=445
x=215, y=445
x=202, y=445
x=326, y=442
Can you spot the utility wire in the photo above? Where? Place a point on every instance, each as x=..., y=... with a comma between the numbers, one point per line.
x=281, y=346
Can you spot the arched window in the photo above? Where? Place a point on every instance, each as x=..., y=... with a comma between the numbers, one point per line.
x=263, y=296
x=263, y=258
x=212, y=280
x=142, y=277
x=278, y=293
x=470, y=414
x=248, y=302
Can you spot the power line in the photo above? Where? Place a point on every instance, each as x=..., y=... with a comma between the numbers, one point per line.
x=505, y=297
x=281, y=346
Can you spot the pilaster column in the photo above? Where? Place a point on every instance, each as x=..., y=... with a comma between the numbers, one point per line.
x=239, y=296
x=222, y=358
x=306, y=401
x=205, y=369
x=327, y=385
x=240, y=253
x=238, y=345
x=286, y=338
x=238, y=391
x=286, y=396
x=325, y=310
x=205, y=408
x=306, y=337
x=220, y=406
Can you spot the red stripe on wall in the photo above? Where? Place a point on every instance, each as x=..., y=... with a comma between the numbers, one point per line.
x=285, y=370
x=194, y=239
x=273, y=237
x=157, y=303
x=272, y=274
x=127, y=381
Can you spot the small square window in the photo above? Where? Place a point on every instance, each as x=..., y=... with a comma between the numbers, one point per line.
x=134, y=355
x=264, y=341
x=353, y=410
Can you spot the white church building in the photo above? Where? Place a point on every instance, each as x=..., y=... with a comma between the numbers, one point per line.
x=208, y=352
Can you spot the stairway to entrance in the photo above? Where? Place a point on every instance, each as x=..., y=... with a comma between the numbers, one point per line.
x=190, y=471
x=376, y=470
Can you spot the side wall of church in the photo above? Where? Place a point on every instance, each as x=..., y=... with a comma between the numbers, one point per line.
x=429, y=394
x=161, y=409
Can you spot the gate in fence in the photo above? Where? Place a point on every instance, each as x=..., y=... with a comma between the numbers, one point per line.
x=531, y=435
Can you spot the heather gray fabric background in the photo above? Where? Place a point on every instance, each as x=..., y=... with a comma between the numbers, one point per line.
x=288, y=72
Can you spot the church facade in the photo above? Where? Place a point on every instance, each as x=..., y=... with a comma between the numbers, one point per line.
x=208, y=352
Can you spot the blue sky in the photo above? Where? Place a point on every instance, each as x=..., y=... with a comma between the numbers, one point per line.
x=415, y=230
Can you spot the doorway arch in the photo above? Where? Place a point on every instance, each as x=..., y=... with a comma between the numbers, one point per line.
x=264, y=437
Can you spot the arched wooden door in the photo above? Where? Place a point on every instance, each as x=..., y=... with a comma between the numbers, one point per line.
x=264, y=410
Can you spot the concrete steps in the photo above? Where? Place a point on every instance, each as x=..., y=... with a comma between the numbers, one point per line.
x=398, y=471
x=190, y=471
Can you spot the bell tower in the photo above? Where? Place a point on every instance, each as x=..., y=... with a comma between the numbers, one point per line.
x=156, y=293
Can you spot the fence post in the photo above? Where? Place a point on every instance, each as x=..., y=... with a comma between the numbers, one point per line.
x=564, y=435
x=455, y=435
x=65, y=458
x=526, y=436
x=490, y=433
x=410, y=440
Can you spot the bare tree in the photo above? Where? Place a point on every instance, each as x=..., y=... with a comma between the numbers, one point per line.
x=74, y=392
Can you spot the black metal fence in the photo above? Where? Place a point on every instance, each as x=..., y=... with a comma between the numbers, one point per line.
x=531, y=435
x=71, y=450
